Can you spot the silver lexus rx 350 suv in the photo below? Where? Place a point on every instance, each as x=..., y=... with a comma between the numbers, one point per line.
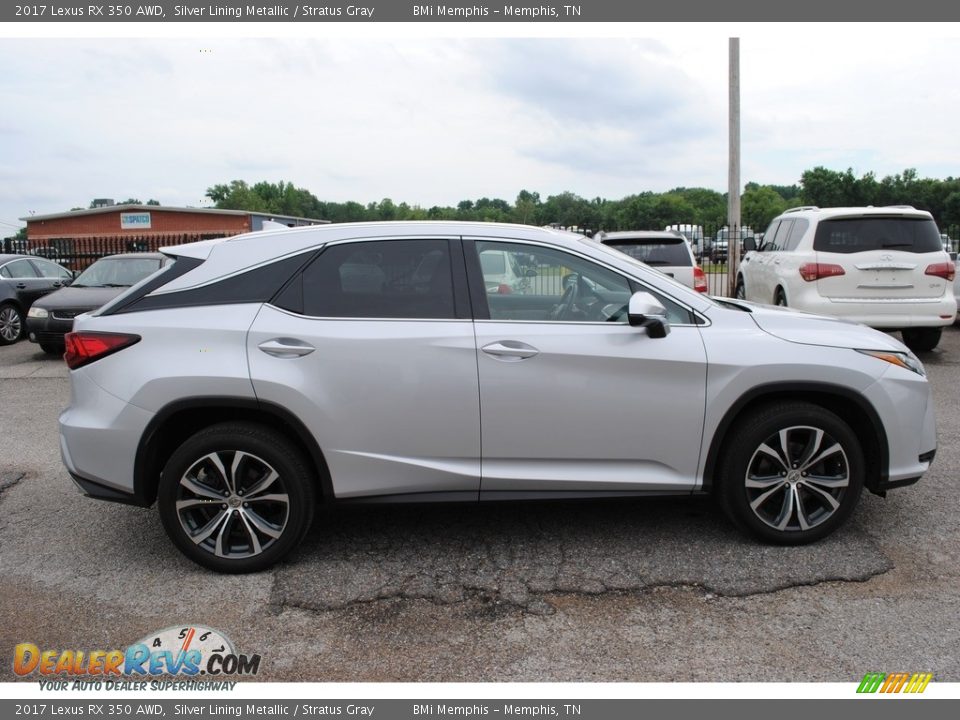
x=259, y=375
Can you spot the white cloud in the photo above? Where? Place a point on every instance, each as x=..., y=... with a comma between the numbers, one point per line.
x=434, y=121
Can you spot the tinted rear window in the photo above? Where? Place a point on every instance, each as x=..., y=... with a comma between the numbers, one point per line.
x=852, y=235
x=655, y=252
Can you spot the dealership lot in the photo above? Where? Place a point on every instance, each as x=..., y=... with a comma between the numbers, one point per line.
x=659, y=589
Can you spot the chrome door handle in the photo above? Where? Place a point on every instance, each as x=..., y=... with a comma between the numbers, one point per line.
x=286, y=347
x=510, y=350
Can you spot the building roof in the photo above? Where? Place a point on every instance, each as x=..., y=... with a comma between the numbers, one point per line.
x=165, y=208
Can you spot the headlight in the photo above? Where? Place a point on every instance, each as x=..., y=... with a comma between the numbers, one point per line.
x=906, y=360
x=36, y=312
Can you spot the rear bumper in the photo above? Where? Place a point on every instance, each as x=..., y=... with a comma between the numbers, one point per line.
x=102, y=492
x=881, y=314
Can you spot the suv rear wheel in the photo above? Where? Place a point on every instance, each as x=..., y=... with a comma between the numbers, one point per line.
x=921, y=339
x=236, y=497
x=792, y=473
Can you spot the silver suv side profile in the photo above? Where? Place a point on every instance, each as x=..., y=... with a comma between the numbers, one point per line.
x=259, y=375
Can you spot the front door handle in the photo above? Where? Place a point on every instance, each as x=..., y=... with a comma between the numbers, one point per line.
x=510, y=350
x=286, y=347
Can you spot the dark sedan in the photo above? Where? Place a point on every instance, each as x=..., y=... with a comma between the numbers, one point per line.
x=52, y=317
x=24, y=279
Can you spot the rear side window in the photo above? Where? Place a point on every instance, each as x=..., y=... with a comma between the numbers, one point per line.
x=852, y=235
x=19, y=269
x=796, y=233
x=655, y=252
x=380, y=279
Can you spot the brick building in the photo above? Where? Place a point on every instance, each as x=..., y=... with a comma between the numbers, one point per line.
x=78, y=237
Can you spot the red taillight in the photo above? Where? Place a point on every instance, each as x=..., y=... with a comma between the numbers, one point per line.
x=504, y=289
x=85, y=347
x=699, y=279
x=945, y=270
x=818, y=271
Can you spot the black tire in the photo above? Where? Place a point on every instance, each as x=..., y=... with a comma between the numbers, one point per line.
x=780, y=298
x=12, y=325
x=250, y=535
x=52, y=348
x=921, y=339
x=753, y=488
x=740, y=292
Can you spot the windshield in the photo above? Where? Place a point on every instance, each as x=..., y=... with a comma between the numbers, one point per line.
x=117, y=272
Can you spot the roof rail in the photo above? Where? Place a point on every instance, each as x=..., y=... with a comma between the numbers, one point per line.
x=802, y=207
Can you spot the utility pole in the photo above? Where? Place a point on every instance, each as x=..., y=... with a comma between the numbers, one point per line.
x=733, y=169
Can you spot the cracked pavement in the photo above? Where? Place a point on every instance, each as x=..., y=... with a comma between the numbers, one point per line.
x=637, y=590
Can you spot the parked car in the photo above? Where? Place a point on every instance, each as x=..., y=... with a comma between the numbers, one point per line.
x=253, y=377
x=23, y=280
x=721, y=244
x=881, y=266
x=50, y=318
x=948, y=245
x=668, y=252
x=694, y=235
x=503, y=273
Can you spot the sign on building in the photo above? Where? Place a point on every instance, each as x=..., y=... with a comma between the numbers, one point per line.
x=135, y=221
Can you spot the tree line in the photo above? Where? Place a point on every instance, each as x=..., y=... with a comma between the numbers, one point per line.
x=646, y=210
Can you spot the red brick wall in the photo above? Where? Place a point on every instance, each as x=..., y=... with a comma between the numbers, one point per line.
x=103, y=224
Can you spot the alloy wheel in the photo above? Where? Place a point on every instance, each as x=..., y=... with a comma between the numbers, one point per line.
x=10, y=324
x=232, y=504
x=797, y=478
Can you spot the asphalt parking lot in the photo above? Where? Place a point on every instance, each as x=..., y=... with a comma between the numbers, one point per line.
x=640, y=590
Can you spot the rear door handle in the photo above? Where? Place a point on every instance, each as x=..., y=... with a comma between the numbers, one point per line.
x=286, y=347
x=510, y=350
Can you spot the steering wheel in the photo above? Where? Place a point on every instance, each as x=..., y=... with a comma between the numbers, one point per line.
x=568, y=301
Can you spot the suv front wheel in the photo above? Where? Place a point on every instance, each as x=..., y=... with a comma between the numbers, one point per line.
x=792, y=473
x=236, y=497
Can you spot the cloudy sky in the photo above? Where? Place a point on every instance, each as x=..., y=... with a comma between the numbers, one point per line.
x=432, y=121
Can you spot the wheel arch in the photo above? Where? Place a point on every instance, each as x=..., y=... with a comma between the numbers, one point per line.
x=177, y=421
x=847, y=404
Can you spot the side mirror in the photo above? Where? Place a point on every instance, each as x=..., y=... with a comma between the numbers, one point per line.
x=749, y=244
x=530, y=272
x=645, y=311
x=66, y=281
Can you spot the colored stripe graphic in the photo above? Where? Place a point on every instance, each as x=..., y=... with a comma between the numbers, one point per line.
x=894, y=682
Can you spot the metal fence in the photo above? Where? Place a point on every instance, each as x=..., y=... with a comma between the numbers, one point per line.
x=712, y=246
x=79, y=253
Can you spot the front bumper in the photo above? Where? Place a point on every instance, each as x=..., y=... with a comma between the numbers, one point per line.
x=48, y=330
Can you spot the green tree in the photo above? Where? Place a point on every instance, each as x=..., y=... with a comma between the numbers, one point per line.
x=759, y=205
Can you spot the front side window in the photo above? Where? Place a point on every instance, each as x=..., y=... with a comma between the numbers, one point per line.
x=381, y=279
x=51, y=270
x=546, y=284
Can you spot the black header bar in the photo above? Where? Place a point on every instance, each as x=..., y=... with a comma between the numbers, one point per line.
x=289, y=11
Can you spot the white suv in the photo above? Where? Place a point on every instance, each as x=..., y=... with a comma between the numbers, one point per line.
x=881, y=266
x=259, y=375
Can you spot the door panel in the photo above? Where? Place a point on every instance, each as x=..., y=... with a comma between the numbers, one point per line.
x=393, y=404
x=596, y=408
